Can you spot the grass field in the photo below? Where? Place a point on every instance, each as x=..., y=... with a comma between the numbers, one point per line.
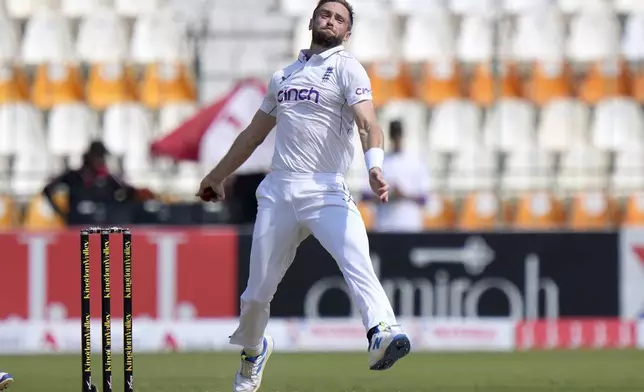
x=601, y=371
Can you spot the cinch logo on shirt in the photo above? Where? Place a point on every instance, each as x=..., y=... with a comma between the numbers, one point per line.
x=363, y=91
x=294, y=94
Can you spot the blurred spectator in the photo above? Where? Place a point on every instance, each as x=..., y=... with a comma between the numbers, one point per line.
x=91, y=183
x=409, y=182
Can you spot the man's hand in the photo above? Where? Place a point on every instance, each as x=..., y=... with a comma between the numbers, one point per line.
x=211, y=189
x=378, y=184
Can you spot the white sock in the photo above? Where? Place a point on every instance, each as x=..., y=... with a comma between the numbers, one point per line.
x=254, y=351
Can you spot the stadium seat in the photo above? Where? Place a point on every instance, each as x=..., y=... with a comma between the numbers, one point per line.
x=14, y=84
x=368, y=212
x=139, y=7
x=174, y=114
x=31, y=169
x=526, y=6
x=576, y=6
x=583, y=168
x=548, y=80
x=109, y=84
x=609, y=78
x=632, y=48
x=482, y=211
x=528, y=169
x=126, y=126
x=540, y=36
x=538, y=211
x=39, y=214
x=140, y=170
x=21, y=128
x=563, y=123
x=413, y=115
x=23, y=9
x=593, y=210
x=634, y=210
x=301, y=36
x=9, y=40
x=429, y=37
x=231, y=21
x=47, y=39
x=618, y=124
x=56, y=84
x=375, y=38
x=187, y=178
x=484, y=87
x=455, y=124
x=473, y=169
x=509, y=125
x=594, y=35
x=628, y=175
x=82, y=8
x=475, y=42
x=301, y=8
x=440, y=81
x=638, y=85
x=164, y=83
x=415, y=7
x=472, y=7
x=8, y=213
x=390, y=81
x=160, y=36
x=102, y=37
x=439, y=212
x=71, y=128
x=629, y=6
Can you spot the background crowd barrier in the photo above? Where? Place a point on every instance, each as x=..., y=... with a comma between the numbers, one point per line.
x=452, y=291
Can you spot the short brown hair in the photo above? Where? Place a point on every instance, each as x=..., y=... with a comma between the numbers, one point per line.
x=345, y=3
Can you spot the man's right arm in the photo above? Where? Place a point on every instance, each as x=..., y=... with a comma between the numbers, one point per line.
x=244, y=146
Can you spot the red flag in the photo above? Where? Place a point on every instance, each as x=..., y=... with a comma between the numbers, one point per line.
x=208, y=134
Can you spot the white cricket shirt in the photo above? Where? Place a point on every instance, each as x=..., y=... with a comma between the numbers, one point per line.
x=311, y=100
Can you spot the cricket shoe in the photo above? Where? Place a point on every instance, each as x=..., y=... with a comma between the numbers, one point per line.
x=249, y=376
x=5, y=380
x=387, y=346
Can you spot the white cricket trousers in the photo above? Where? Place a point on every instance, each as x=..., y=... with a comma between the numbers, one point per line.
x=292, y=206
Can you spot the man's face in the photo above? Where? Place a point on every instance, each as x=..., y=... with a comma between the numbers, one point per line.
x=330, y=25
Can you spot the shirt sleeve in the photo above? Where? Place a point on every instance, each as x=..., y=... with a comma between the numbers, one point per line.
x=356, y=83
x=269, y=104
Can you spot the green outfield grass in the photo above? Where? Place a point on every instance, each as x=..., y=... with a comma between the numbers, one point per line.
x=603, y=371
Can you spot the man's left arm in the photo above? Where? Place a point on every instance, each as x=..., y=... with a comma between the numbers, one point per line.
x=357, y=91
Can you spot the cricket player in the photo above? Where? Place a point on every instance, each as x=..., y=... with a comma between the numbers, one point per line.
x=313, y=104
x=5, y=380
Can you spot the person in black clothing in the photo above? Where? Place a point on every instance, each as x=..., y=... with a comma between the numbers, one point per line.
x=91, y=183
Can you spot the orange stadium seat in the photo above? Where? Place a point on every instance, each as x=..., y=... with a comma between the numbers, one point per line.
x=55, y=84
x=638, y=84
x=440, y=213
x=483, y=86
x=634, y=210
x=368, y=214
x=605, y=79
x=390, y=82
x=109, y=84
x=440, y=82
x=14, y=85
x=538, y=210
x=8, y=213
x=593, y=210
x=166, y=83
x=40, y=216
x=548, y=81
x=482, y=210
